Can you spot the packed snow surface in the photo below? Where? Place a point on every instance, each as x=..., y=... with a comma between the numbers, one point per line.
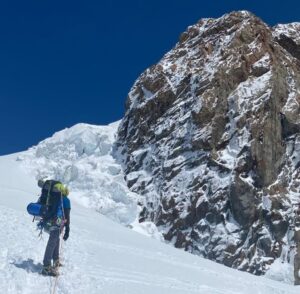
x=102, y=256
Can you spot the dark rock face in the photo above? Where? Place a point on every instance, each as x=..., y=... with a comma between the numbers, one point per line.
x=210, y=141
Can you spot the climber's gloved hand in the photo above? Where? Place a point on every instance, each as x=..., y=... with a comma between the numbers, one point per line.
x=40, y=225
x=66, y=235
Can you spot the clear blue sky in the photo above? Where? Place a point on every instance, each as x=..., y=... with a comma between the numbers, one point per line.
x=65, y=62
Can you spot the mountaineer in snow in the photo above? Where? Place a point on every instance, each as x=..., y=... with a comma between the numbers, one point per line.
x=54, y=209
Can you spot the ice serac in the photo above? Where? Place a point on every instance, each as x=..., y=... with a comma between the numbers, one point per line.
x=211, y=141
x=80, y=156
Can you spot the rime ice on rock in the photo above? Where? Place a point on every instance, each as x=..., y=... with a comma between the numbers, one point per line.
x=209, y=140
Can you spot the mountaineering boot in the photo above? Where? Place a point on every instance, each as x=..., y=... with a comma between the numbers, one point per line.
x=57, y=264
x=49, y=271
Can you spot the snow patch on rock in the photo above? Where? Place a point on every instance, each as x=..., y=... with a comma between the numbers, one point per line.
x=291, y=30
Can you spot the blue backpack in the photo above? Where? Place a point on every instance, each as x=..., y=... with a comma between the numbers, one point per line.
x=47, y=199
x=40, y=210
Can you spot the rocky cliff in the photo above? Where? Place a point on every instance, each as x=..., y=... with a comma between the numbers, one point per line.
x=211, y=140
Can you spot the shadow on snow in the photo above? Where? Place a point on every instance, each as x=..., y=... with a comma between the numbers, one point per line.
x=28, y=265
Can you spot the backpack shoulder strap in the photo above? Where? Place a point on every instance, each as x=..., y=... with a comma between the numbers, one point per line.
x=49, y=192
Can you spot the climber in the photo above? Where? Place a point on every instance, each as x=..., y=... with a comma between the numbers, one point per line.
x=55, y=218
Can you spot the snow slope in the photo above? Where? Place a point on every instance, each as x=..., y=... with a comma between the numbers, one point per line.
x=102, y=256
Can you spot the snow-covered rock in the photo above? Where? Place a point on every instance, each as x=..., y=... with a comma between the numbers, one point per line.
x=291, y=30
x=210, y=140
x=288, y=36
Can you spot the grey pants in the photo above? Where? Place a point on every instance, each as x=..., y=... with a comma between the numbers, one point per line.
x=52, y=249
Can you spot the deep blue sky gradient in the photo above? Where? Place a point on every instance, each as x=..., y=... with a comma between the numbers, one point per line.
x=65, y=62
